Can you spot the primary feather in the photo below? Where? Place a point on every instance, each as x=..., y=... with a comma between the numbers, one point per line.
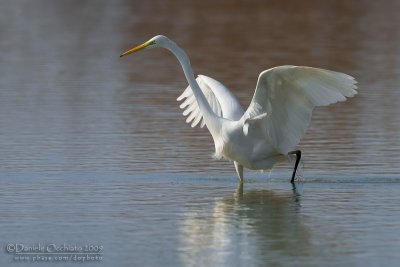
x=288, y=94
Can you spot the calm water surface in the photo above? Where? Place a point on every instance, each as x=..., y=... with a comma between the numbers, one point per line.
x=94, y=149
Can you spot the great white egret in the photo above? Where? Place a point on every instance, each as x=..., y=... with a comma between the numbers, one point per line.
x=274, y=122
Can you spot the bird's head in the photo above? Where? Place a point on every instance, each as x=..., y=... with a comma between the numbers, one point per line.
x=156, y=41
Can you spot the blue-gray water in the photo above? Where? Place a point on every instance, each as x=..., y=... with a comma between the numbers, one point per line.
x=94, y=149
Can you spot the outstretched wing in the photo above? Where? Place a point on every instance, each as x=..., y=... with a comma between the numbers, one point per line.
x=221, y=101
x=285, y=97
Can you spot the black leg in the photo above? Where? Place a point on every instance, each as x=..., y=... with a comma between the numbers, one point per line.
x=298, y=157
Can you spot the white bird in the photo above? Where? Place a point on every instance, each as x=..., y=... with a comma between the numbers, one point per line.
x=274, y=122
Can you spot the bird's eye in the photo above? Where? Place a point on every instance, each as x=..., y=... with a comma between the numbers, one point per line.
x=152, y=43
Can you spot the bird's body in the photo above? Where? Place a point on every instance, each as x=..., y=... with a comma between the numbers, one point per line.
x=252, y=151
x=276, y=118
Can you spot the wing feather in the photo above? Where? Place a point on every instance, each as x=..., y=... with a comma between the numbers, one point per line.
x=288, y=95
x=221, y=101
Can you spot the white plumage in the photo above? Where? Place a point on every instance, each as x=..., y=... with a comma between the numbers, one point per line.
x=221, y=100
x=288, y=94
x=276, y=119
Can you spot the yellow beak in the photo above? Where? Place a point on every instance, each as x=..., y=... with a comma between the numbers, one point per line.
x=135, y=49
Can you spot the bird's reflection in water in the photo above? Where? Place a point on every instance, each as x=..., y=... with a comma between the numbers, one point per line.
x=252, y=226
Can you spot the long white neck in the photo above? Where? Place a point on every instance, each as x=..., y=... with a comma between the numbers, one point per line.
x=212, y=121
